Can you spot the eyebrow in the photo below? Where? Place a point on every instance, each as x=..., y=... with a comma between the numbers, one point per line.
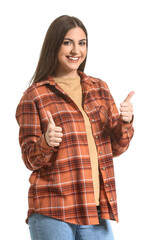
x=72, y=40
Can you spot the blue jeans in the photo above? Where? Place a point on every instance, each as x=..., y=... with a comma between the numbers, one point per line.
x=45, y=228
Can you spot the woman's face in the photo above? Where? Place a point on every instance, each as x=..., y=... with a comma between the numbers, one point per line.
x=72, y=52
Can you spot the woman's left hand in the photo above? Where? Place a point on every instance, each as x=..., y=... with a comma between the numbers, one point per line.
x=126, y=109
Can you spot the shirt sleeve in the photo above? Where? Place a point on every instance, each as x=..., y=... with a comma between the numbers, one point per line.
x=121, y=132
x=35, y=150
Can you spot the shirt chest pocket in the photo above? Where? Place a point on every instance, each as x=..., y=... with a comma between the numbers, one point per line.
x=103, y=114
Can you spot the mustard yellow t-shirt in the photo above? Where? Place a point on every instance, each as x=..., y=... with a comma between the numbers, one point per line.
x=72, y=87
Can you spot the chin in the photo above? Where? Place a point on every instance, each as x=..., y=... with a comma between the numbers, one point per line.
x=73, y=68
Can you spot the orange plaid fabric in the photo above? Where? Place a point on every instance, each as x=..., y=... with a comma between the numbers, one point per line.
x=61, y=184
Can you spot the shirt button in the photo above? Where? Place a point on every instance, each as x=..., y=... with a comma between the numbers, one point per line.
x=96, y=137
x=86, y=108
x=104, y=168
x=106, y=185
x=111, y=200
x=93, y=120
x=100, y=152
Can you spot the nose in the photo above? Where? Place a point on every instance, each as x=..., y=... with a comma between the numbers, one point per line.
x=75, y=49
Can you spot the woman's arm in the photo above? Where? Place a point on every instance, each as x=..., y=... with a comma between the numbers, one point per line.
x=121, y=132
x=35, y=150
x=121, y=135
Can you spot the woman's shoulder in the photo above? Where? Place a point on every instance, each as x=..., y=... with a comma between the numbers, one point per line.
x=98, y=81
x=101, y=86
x=30, y=98
x=34, y=91
x=29, y=93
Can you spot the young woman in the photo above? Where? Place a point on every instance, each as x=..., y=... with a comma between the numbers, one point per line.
x=70, y=130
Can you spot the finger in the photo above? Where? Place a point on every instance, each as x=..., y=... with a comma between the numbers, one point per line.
x=54, y=144
x=126, y=109
x=123, y=109
x=125, y=114
x=58, y=135
x=129, y=96
x=56, y=140
x=58, y=129
x=55, y=135
x=126, y=119
x=124, y=104
x=50, y=118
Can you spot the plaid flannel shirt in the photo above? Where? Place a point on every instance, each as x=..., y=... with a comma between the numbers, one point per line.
x=61, y=184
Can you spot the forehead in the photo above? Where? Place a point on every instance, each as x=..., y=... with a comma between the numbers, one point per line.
x=76, y=33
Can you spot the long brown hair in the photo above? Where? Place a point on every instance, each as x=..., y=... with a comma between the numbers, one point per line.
x=51, y=45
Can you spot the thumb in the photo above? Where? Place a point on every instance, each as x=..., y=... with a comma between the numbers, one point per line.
x=129, y=96
x=50, y=118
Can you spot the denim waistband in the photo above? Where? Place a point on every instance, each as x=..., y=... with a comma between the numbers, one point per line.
x=98, y=207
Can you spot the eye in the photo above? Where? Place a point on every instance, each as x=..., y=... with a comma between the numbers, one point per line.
x=82, y=43
x=66, y=42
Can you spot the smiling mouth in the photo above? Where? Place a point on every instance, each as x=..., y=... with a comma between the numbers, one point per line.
x=74, y=59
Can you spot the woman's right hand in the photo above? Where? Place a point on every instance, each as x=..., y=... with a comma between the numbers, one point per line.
x=53, y=134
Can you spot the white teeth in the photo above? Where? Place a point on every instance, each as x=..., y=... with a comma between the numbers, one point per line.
x=73, y=58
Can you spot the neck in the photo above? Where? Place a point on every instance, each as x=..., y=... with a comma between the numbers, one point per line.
x=72, y=74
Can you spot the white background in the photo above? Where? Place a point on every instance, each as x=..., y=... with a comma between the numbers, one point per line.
x=121, y=52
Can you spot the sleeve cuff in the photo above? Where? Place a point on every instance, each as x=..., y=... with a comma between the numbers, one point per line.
x=126, y=125
x=45, y=148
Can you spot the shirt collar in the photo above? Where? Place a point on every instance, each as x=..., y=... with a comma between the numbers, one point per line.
x=50, y=80
x=87, y=79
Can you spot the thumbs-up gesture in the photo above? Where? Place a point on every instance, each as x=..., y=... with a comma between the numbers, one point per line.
x=126, y=108
x=53, y=134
